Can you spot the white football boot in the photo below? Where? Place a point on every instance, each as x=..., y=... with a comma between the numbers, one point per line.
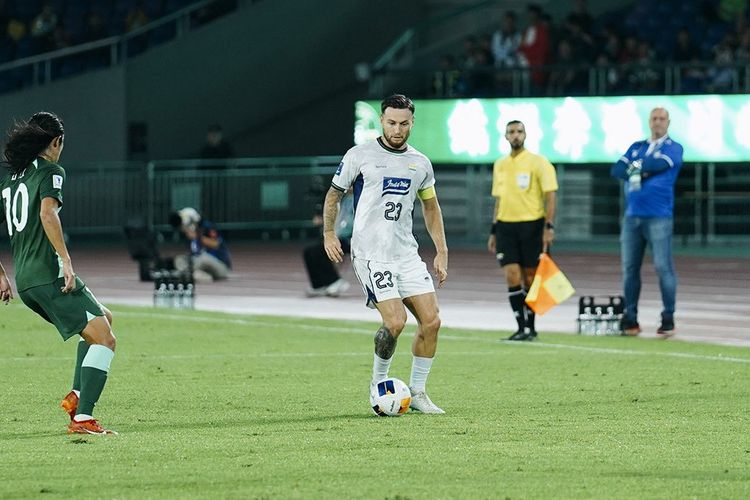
x=421, y=402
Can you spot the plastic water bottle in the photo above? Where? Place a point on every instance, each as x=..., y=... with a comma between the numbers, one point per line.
x=170, y=295
x=160, y=295
x=634, y=179
x=598, y=322
x=179, y=300
x=189, y=296
x=587, y=322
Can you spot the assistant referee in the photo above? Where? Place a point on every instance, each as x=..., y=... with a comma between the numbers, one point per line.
x=524, y=186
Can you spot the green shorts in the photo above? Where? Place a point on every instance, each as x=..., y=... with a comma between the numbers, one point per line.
x=69, y=312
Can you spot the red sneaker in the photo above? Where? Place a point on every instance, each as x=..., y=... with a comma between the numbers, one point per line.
x=70, y=404
x=90, y=426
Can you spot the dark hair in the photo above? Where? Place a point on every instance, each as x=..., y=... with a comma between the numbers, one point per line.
x=514, y=122
x=27, y=139
x=397, y=101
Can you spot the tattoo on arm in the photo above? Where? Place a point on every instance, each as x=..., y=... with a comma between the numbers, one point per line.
x=385, y=343
x=331, y=209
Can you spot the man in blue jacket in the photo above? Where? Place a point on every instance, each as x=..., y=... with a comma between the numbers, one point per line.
x=649, y=169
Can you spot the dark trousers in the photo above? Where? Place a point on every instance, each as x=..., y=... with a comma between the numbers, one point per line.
x=321, y=271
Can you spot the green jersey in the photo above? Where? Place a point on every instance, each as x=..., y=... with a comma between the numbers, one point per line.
x=34, y=258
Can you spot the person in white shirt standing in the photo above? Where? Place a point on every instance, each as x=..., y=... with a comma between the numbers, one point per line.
x=387, y=176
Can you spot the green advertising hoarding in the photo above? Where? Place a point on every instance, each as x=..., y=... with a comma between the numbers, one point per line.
x=711, y=128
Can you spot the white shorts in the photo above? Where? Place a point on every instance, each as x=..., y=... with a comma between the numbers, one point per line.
x=392, y=280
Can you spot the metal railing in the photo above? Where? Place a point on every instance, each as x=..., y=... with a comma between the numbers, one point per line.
x=39, y=69
x=272, y=198
x=563, y=80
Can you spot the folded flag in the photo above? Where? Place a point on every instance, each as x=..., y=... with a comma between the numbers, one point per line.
x=549, y=288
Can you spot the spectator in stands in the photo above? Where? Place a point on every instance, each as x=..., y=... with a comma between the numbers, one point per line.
x=209, y=256
x=565, y=79
x=16, y=30
x=480, y=80
x=506, y=41
x=535, y=44
x=216, y=146
x=60, y=38
x=470, y=51
x=43, y=29
x=610, y=71
x=721, y=74
x=629, y=51
x=645, y=77
x=610, y=43
x=322, y=273
x=95, y=27
x=137, y=17
x=649, y=169
x=581, y=16
x=742, y=53
x=446, y=81
x=581, y=42
x=692, y=74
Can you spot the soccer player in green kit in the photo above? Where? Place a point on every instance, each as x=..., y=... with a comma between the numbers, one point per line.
x=45, y=280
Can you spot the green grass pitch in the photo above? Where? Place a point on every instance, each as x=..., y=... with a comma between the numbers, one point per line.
x=213, y=405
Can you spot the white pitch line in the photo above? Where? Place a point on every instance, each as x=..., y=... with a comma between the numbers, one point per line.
x=362, y=331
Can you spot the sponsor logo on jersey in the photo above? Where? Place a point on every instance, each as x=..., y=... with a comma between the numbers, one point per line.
x=396, y=185
x=381, y=166
x=57, y=181
x=338, y=170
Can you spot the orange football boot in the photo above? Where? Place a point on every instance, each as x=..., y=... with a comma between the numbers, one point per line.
x=70, y=404
x=90, y=426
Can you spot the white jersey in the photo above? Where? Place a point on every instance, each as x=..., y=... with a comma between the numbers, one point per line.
x=386, y=184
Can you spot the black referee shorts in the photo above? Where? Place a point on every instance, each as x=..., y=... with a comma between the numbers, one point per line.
x=519, y=242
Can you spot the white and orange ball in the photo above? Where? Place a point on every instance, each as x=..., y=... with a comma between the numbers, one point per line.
x=390, y=397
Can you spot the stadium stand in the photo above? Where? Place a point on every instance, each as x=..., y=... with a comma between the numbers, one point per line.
x=643, y=47
x=34, y=28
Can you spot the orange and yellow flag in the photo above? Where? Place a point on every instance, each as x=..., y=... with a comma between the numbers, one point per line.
x=549, y=288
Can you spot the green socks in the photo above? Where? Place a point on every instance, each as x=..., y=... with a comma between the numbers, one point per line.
x=94, y=369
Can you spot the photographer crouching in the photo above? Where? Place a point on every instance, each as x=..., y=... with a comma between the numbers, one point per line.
x=209, y=257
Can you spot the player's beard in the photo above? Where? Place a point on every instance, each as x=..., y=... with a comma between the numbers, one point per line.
x=390, y=140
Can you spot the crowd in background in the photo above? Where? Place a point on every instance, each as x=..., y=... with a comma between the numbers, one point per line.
x=710, y=40
x=31, y=27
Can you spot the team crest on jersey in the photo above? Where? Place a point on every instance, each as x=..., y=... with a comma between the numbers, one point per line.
x=413, y=166
x=338, y=170
x=396, y=185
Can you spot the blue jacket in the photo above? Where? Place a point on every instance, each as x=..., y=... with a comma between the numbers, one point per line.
x=208, y=229
x=659, y=173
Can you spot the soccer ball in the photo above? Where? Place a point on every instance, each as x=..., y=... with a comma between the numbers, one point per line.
x=390, y=398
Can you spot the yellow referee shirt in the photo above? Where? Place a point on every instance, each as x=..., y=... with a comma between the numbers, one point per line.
x=520, y=183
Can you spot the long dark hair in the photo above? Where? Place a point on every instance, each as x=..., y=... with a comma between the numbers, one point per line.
x=27, y=139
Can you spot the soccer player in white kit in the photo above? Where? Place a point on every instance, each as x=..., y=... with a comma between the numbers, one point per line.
x=387, y=176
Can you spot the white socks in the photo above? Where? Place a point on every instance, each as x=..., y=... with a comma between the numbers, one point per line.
x=380, y=368
x=420, y=368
